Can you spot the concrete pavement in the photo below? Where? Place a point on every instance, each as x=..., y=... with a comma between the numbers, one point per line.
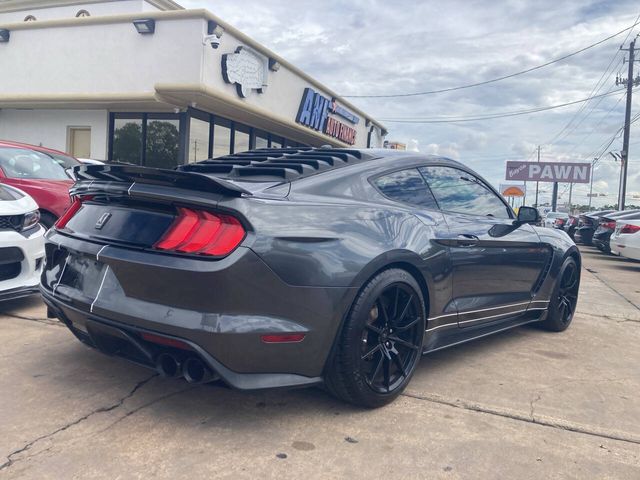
x=522, y=404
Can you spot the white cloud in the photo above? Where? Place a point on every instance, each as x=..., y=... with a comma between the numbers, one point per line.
x=376, y=47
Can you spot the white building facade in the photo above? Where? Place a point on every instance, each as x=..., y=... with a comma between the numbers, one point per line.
x=147, y=82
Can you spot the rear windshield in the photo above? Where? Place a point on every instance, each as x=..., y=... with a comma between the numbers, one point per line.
x=29, y=164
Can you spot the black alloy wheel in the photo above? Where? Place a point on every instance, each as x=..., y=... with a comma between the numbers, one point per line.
x=381, y=341
x=391, y=340
x=562, y=306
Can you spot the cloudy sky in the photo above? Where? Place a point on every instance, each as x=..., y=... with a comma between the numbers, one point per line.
x=369, y=47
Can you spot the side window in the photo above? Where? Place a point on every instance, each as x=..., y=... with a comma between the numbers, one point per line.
x=406, y=186
x=458, y=191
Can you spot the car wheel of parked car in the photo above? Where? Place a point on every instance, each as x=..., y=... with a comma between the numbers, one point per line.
x=381, y=341
x=47, y=220
x=564, y=299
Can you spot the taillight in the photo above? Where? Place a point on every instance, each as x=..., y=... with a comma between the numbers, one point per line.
x=559, y=221
x=202, y=233
x=630, y=229
x=71, y=211
x=611, y=225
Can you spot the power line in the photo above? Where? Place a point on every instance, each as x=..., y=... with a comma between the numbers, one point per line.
x=493, y=116
x=504, y=77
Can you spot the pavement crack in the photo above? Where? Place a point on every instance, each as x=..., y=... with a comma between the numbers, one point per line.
x=45, y=321
x=532, y=404
x=595, y=274
x=543, y=421
x=10, y=458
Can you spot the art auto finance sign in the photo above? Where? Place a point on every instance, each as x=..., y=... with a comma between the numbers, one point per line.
x=314, y=113
x=562, y=172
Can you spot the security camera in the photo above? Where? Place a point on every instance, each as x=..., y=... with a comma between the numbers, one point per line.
x=213, y=40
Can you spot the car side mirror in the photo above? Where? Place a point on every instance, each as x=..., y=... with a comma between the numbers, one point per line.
x=527, y=215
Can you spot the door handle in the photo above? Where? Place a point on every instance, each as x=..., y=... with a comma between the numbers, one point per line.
x=465, y=240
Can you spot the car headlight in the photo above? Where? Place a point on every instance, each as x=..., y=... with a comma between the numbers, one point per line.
x=30, y=219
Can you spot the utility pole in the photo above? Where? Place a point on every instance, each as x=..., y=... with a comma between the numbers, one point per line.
x=537, y=183
x=554, y=197
x=593, y=168
x=629, y=82
x=570, y=192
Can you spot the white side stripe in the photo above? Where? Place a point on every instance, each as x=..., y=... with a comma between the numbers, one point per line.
x=484, y=318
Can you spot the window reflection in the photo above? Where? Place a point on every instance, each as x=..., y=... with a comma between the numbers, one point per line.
x=241, y=139
x=162, y=143
x=406, y=186
x=221, y=139
x=198, y=140
x=261, y=139
x=458, y=191
x=127, y=140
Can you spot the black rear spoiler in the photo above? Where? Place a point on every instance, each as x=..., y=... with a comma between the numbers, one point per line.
x=125, y=177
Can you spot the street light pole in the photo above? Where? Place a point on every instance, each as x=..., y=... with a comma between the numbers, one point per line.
x=537, y=183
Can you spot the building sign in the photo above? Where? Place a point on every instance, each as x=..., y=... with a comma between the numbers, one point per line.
x=314, y=113
x=564, y=172
x=246, y=68
x=512, y=190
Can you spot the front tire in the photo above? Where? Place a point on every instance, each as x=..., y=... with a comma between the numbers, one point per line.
x=380, y=344
x=564, y=299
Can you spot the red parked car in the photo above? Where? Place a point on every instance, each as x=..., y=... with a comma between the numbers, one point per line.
x=41, y=172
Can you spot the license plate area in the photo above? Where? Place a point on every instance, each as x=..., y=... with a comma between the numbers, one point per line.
x=74, y=274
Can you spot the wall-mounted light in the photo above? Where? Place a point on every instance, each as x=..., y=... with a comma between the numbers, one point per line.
x=145, y=26
x=274, y=65
x=4, y=35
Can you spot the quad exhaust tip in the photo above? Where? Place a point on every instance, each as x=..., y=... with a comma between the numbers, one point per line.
x=192, y=369
x=168, y=366
x=195, y=371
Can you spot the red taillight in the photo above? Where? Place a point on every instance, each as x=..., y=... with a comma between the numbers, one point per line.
x=630, y=229
x=559, y=221
x=202, y=233
x=71, y=211
x=283, y=338
x=611, y=225
x=166, y=341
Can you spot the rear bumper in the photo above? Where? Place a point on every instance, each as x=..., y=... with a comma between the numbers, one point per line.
x=221, y=308
x=113, y=338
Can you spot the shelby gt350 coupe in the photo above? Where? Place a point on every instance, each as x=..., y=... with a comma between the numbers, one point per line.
x=301, y=266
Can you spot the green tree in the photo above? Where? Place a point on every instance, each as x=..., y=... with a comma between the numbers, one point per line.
x=127, y=143
x=162, y=144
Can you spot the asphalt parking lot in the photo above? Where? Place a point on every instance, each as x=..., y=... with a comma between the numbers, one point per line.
x=522, y=404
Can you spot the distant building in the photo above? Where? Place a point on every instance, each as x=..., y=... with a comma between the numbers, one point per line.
x=395, y=145
x=148, y=82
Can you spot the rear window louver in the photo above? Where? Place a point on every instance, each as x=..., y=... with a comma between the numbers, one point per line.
x=277, y=163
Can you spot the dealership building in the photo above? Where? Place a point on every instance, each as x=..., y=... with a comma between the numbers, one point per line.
x=150, y=83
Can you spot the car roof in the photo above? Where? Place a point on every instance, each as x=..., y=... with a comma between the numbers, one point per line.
x=37, y=148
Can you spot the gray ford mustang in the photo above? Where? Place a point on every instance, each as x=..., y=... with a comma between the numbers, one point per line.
x=296, y=267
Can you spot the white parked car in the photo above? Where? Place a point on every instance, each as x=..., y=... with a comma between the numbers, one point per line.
x=625, y=240
x=21, y=244
x=550, y=218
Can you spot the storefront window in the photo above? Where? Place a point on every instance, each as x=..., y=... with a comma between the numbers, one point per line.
x=276, y=142
x=198, y=140
x=162, y=143
x=127, y=140
x=261, y=139
x=221, y=138
x=241, y=139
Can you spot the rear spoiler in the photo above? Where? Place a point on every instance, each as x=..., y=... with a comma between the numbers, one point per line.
x=118, y=178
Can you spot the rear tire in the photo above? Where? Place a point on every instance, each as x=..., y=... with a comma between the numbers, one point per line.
x=564, y=298
x=380, y=343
